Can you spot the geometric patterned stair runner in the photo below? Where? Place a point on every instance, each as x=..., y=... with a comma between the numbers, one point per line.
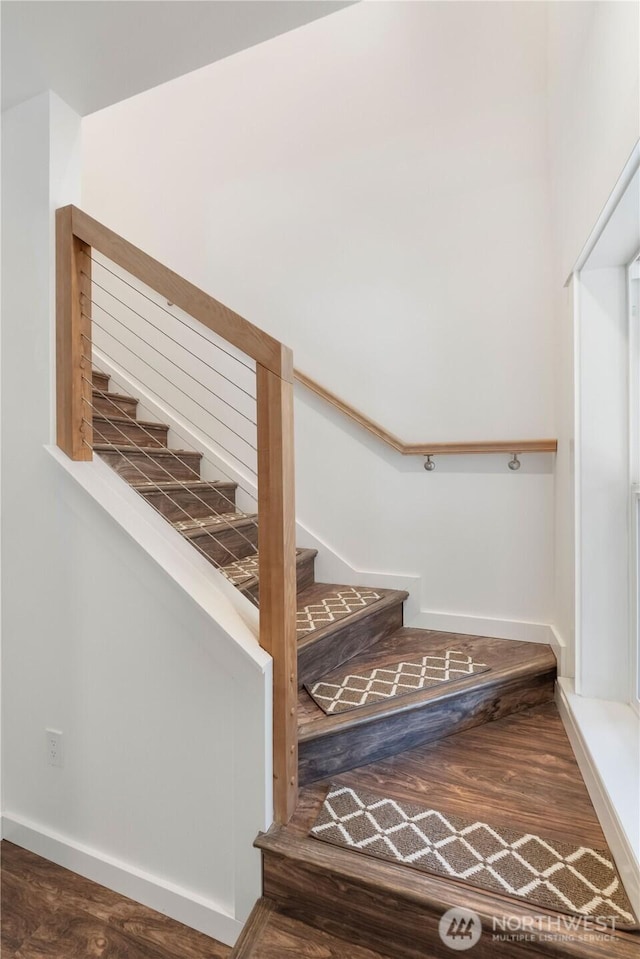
x=353, y=690
x=333, y=606
x=564, y=877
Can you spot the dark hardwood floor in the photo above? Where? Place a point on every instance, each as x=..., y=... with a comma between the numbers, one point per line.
x=51, y=913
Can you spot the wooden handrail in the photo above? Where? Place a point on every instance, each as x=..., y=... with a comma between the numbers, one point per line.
x=424, y=449
x=76, y=235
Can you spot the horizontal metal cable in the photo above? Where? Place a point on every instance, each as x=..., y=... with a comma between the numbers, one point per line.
x=145, y=452
x=242, y=589
x=251, y=494
x=169, y=313
x=170, y=360
x=141, y=427
x=176, y=387
x=182, y=347
x=244, y=489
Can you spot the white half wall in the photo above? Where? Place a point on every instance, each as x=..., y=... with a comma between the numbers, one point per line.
x=164, y=705
x=387, y=216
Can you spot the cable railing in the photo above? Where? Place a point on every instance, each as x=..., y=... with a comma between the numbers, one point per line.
x=228, y=389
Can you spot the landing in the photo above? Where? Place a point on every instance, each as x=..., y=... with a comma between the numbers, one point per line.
x=519, y=771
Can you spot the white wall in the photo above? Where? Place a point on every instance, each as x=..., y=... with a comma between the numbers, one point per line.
x=593, y=125
x=372, y=189
x=165, y=714
x=594, y=113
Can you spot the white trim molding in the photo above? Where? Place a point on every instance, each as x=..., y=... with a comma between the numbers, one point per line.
x=625, y=178
x=605, y=737
x=171, y=900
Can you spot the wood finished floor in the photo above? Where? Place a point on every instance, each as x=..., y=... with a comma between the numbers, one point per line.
x=519, y=771
x=505, y=657
x=271, y=934
x=51, y=913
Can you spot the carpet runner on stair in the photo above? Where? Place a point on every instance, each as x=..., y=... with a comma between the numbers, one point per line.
x=564, y=877
x=342, y=691
x=333, y=606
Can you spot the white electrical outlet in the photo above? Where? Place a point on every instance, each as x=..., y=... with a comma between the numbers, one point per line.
x=55, y=754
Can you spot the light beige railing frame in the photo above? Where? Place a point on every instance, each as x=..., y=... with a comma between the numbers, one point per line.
x=77, y=234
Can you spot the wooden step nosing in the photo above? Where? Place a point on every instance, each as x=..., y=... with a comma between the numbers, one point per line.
x=107, y=395
x=394, y=597
x=129, y=421
x=147, y=450
x=217, y=528
x=430, y=893
x=253, y=929
x=302, y=556
x=161, y=486
x=422, y=699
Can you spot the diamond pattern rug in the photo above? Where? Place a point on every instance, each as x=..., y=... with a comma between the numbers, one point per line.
x=242, y=570
x=215, y=519
x=333, y=606
x=563, y=877
x=353, y=690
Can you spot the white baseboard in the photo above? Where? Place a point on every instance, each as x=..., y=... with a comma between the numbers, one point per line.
x=333, y=568
x=495, y=628
x=174, y=901
x=619, y=820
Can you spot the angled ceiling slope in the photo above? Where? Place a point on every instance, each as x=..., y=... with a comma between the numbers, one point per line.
x=93, y=54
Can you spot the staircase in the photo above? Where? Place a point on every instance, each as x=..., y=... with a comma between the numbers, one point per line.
x=490, y=741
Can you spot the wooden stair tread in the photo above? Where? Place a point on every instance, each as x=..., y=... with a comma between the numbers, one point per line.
x=172, y=485
x=319, y=591
x=519, y=771
x=129, y=421
x=151, y=450
x=248, y=580
x=192, y=528
x=111, y=395
x=505, y=657
x=271, y=934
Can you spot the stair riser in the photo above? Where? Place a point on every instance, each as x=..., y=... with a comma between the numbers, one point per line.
x=306, y=573
x=129, y=433
x=223, y=546
x=317, y=658
x=178, y=505
x=305, y=577
x=100, y=381
x=337, y=752
x=386, y=921
x=122, y=406
x=136, y=467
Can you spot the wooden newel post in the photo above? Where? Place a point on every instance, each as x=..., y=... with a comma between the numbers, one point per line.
x=73, y=340
x=277, y=557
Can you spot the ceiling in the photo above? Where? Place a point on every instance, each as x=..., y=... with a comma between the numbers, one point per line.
x=93, y=54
